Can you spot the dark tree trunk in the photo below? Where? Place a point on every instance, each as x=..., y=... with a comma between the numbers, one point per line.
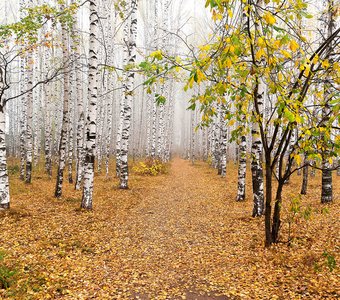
x=277, y=210
x=304, y=179
x=268, y=210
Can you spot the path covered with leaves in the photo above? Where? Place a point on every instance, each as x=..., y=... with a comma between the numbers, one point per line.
x=174, y=236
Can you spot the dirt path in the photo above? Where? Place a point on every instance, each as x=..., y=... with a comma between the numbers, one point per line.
x=184, y=229
x=177, y=236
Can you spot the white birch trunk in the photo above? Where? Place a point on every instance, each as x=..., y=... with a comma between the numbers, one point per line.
x=65, y=117
x=242, y=169
x=128, y=91
x=29, y=125
x=4, y=183
x=90, y=144
x=256, y=153
x=80, y=113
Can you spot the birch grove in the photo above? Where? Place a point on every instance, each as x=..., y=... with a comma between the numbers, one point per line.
x=132, y=84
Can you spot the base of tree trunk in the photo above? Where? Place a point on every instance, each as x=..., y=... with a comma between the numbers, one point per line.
x=240, y=199
x=123, y=187
x=4, y=206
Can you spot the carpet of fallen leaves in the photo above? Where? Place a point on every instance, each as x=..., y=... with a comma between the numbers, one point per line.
x=176, y=236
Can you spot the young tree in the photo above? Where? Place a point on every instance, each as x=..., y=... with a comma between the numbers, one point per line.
x=288, y=70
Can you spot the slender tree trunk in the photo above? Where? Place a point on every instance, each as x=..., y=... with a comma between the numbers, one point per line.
x=268, y=210
x=128, y=89
x=80, y=114
x=256, y=151
x=327, y=184
x=23, y=120
x=92, y=111
x=48, y=132
x=223, y=146
x=65, y=118
x=70, y=124
x=304, y=177
x=29, y=129
x=242, y=170
x=4, y=183
x=276, y=215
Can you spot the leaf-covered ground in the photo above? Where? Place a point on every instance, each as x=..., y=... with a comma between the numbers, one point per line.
x=174, y=236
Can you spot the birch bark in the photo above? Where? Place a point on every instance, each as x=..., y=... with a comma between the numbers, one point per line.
x=90, y=144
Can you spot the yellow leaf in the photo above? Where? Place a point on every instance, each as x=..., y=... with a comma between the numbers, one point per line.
x=261, y=42
x=286, y=54
x=231, y=122
x=269, y=18
x=325, y=64
x=293, y=45
x=228, y=62
x=157, y=54
x=200, y=76
x=205, y=47
x=297, y=158
x=280, y=76
x=191, y=82
x=259, y=54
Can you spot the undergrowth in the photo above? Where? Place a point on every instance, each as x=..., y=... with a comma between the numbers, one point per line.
x=151, y=167
x=6, y=273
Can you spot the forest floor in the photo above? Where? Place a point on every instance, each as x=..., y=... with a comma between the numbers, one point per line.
x=180, y=235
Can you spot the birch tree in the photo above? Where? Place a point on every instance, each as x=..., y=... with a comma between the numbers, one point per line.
x=90, y=143
x=65, y=114
x=128, y=96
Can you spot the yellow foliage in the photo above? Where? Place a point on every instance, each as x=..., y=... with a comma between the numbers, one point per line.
x=293, y=45
x=151, y=167
x=269, y=18
x=286, y=54
x=260, y=53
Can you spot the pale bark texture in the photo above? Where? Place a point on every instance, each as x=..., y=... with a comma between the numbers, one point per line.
x=327, y=182
x=223, y=143
x=23, y=120
x=242, y=168
x=80, y=112
x=29, y=125
x=128, y=93
x=90, y=144
x=256, y=152
x=4, y=183
x=65, y=118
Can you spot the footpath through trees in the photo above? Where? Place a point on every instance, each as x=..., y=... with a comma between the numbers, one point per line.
x=173, y=236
